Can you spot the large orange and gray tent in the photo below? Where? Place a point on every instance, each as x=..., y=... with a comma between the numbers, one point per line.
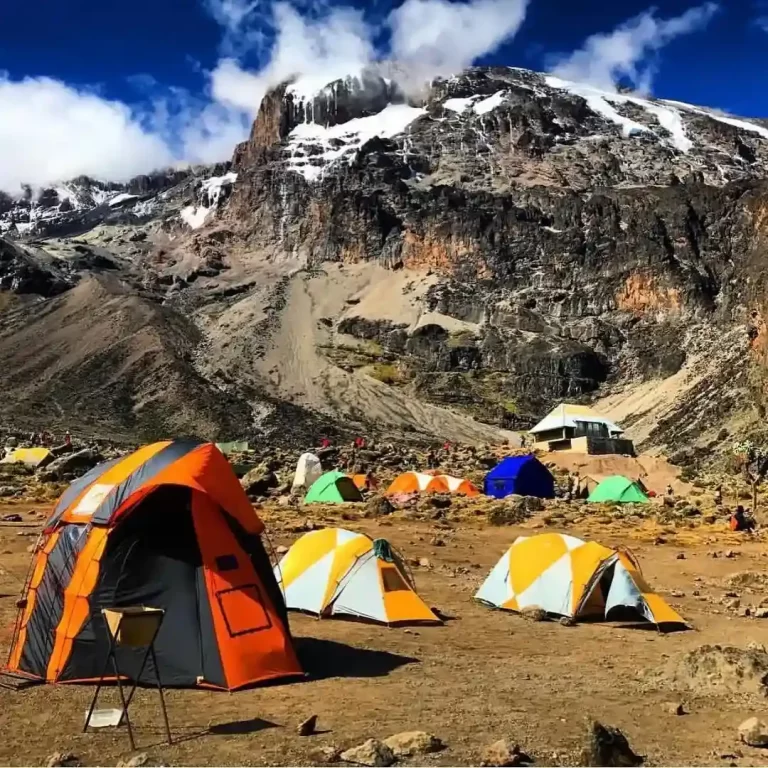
x=566, y=576
x=417, y=482
x=334, y=571
x=170, y=527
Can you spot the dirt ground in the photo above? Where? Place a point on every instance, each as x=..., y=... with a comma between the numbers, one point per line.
x=482, y=676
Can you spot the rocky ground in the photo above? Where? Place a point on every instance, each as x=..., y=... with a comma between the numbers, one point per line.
x=482, y=677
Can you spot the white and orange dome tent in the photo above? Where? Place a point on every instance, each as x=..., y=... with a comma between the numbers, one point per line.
x=338, y=572
x=417, y=482
x=566, y=576
x=459, y=486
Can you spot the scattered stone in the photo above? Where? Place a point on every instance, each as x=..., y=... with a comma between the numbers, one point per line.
x=372, y=752
x=134, y=762
x=676, y=593
x=754, y=732
x=680, y=556
x=259, y=482
x=659, y=540
x=59, y=759
x=729, y=553
x=281, y=549
x=731, y=604
x=425, y=562
x=760, y=613
x=70, y=464
x=533, y=613
x=606, y=747
x=567, y=621
x=437, y=542
x=718, y=669
x=674, y=707
x=504, y=753
x=329, y=754
x=378, y=506
x=11, y=518
x=307, y=728
x=745, y=611
x=410, y=743
x=440, y=502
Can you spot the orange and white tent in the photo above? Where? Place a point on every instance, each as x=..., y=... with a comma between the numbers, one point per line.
x=566, y=576
x=365, y=482
x=459, y=486
x=338, y=572
x=417, y=482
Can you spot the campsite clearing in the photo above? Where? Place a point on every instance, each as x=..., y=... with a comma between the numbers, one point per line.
x=482, y=676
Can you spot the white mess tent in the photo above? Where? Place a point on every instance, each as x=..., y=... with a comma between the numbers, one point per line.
x=308, y=469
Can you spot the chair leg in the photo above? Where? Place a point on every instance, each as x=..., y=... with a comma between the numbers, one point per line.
x=125, y=706
x=98, y=688
x=160, y=691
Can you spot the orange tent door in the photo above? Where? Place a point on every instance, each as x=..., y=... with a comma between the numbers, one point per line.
x=253, y=643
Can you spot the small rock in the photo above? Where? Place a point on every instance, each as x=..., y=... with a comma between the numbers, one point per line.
x=732, y=604
x=680, y=556
x=425, y=562
x=378, y=506
x=330, y=754
x=696, y=593
x=307, y=728
x=134, y=762
x=676, y=593
x=410, y=743
x=760, y=613
x=729, y=553
x=504, y=753
x=745, y=610
x=754, y=732
x=11, y=518
x=58, y=759
x=659, y=540
x=607, y=746
x=674, y=707
x=437, y=542
x=372, y=752
x=281, y=550
x=533, y=613
x=566, y=621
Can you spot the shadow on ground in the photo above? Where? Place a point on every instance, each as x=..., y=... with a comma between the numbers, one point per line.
x=322, y=659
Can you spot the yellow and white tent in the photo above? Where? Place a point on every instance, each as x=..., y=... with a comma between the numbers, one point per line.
x=30, y=457
x=566, y=576
x=338, y=572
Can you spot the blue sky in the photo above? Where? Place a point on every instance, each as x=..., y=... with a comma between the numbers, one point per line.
x=183, y=77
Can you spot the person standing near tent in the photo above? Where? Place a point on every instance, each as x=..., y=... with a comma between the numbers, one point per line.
x=67, y=438
x=719, y=496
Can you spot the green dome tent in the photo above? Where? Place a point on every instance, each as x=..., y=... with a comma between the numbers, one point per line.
x=332, y=488
x=618, y=489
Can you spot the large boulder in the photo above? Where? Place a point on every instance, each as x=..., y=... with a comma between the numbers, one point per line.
x=754, y=732
x=607, y=747
x=259, y=481
x=372, y=752
x=410, y=743
x=76, y=464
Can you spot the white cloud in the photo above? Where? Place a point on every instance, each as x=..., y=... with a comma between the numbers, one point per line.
x=438, y=37
x=237, y=19
x=624, y=53
x=50, y=131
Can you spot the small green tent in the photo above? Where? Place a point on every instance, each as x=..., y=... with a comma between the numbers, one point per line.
x=333, y=488
x=618, y=489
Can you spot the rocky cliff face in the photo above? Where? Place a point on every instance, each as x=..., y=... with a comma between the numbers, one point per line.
x=493, y=245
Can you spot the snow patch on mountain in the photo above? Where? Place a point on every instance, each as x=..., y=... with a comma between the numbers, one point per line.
x=489, y=104
x=313, y=148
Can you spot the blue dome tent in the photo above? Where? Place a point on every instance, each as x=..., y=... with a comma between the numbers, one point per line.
x=523, y=475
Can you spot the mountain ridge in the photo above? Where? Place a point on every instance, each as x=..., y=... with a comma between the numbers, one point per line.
x=456, y=262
